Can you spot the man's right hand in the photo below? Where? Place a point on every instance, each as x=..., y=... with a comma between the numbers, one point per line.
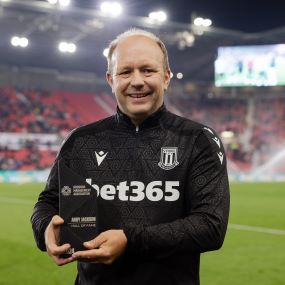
x=51, y=241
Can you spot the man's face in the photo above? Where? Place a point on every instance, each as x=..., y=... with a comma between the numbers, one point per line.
x=138, y=78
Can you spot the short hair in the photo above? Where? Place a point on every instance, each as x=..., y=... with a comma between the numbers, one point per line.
x=137, y=32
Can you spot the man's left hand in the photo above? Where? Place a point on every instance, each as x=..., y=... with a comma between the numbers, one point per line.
x=105, y=248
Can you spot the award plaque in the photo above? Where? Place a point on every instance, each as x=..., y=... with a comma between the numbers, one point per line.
x=78, y=207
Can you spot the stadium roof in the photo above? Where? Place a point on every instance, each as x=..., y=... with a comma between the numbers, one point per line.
x=192, y=50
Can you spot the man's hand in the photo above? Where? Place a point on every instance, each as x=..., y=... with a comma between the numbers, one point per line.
x=105, y=248
x=51, y=240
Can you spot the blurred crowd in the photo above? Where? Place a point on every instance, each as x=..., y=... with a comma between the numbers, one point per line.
x=252, y=130
x=256, y=127
x=35, y=111
x=29, y=157
x=40, y=112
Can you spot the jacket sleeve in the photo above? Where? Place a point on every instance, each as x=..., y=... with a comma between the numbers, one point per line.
x=207, y=199
x=46, y=207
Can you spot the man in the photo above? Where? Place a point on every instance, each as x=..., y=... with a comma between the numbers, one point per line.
x=168, y=193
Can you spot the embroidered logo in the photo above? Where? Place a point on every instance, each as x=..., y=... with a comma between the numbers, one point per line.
x=209, y=130
x=168, y=158
x=100, y=156
x=221, y=156
x=65, y=190
x=217, y=141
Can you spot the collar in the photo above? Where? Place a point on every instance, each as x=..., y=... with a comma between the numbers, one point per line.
x=152, y=121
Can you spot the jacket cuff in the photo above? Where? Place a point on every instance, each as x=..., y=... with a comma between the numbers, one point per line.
x=136, y=241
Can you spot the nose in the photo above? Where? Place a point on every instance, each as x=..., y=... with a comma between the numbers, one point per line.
x=137, y=79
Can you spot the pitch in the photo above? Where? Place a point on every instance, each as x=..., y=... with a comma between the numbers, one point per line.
x=253, y=252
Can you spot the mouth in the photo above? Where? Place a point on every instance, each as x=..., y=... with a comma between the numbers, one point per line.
x=139, y=95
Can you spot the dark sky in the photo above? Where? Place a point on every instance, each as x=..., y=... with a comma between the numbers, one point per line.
x=244, y=15
x=247, y=16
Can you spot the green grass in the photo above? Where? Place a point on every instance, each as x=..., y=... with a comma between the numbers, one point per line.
x=20, y=260
x=247, y=257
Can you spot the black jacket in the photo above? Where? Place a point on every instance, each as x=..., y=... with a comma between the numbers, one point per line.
x=177, y=201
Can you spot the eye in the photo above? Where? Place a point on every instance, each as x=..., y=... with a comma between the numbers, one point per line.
x=125, y=73
x=148, y=71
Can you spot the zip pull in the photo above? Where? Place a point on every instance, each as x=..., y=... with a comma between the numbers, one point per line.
x=137, y=129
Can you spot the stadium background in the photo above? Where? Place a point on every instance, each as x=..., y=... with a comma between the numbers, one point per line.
x=44, y=94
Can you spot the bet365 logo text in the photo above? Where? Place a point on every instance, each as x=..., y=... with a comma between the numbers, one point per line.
x=138, y=191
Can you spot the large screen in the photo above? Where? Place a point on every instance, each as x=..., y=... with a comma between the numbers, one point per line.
x=260, y=65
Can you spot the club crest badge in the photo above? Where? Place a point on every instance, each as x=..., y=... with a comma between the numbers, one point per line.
x=168, y=158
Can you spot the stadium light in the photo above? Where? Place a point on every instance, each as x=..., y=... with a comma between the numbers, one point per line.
x=62, y=3
x=66, y=47
x=52, y=2
x=72, y=48
x=201, y=22
x=207, y=22
x=179, y=75
x=19, y=42
x=105, y=52
x=159, y=16
x=113, y=9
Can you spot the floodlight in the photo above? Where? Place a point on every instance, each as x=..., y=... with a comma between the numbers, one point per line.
x=112, y=9
x=106, y=52
x=19, y=41
x=15, y=41
x=202, y=22
x=198, y=21
x=66, y=47
x=72, y=48
x=62, y=47
x=24, y=42
x=207, y=22
x=179, y=75
x=159, y=16
x=52, y=2
x=64, y=3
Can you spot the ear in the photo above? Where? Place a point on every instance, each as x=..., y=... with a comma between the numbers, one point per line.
x=167, y=78
x=109, y=79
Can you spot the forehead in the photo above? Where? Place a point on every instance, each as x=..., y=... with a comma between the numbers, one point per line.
x=137, y=49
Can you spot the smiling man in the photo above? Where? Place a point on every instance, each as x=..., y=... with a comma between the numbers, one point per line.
x=161, y=180
x=139, y=74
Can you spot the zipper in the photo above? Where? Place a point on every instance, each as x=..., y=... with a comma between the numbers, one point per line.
x=137, y=129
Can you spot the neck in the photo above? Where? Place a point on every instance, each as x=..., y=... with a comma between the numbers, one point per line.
x=138, y=120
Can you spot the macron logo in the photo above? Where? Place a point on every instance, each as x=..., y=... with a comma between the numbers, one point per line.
x=217, y=141
x=221, y=156
x=100, y=156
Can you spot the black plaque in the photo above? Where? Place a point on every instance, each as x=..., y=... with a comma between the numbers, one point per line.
x=78, y=208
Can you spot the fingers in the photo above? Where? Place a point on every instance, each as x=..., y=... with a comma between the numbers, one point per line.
x=57, y=220
x=51, y=240
x=105, y=248
x=86, y=254
x=54, y=249
x=95, y=253
x=96, y=242
x=52, y=231
x=62, y=261
x=100, y=255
